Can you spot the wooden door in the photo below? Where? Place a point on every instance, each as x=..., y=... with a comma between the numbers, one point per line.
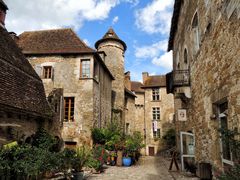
x=151, y=151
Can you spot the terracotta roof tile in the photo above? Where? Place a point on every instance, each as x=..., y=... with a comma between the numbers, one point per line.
x=136, y=87
x=155, y=81
x=57, y=41
x=20, y=87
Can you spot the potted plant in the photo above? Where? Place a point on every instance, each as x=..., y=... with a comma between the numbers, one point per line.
x=83, y=153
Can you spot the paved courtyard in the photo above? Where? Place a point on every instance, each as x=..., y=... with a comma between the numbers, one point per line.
x=148, y=168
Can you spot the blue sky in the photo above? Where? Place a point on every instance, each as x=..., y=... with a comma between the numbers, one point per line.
x=142, y=24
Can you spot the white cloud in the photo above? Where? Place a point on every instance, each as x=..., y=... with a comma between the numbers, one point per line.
x=155, y=17
x=115, y=20
x=164, y=61
x=86, y=42
x=152, y=50
x=45, y=14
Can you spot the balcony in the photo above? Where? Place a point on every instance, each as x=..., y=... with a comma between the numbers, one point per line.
x=177, y=79
x=181, y=78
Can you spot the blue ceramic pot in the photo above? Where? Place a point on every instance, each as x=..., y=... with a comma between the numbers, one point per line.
x=127, y=161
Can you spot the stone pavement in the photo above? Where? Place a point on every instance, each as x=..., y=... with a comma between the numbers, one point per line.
x=148, y=168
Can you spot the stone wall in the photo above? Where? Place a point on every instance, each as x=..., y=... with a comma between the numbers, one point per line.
x=130, y=114
x=16, y=126
x=88, y=93
x=166, y=117
x=115, y=62
x=215, y=74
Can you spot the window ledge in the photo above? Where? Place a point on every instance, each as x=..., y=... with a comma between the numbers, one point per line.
x=156, y=101
x=85, y=78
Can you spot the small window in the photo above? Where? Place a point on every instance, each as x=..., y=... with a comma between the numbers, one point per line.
x=185, y=56
x=196, y=34
x=47, y=72
x=156, y=134
x=156, y=113
x=69, y=109
x=155, y=94
x=85, y=68
x=127, y=128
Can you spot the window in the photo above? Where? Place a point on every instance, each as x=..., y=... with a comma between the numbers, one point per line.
x=69, y=109
x=127, y=128
x=196, y=35
x=85, y=68
x=156, y=134
x=226, y=150
x=185, y=56
x=156, y=113
x=47, y=72
x=155, y=94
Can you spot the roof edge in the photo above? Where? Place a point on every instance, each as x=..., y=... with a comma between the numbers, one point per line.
x=113, y=39
x=174, y=23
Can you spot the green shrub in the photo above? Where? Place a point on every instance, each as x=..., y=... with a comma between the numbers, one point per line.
x=170, y=138
x=98, y=136
x=83, y=153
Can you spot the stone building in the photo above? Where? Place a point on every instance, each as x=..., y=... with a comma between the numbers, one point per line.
x=23, y=104
x=114, y=49
x=205, y=81
x=64, y=61
x=153, y=111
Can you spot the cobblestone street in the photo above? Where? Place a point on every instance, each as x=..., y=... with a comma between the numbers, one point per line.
x=149, y=168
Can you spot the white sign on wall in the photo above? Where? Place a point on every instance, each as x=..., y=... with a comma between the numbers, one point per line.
x=182, y=115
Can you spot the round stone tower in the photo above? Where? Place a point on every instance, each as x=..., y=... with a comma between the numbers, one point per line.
x=114, y=48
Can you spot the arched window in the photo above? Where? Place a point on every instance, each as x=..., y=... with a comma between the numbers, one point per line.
x=196, y=34
x=185, y=56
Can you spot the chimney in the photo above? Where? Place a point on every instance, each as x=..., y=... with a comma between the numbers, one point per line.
x=127, y=80
x=14, y=36
x=3, y=12
x=144, y=76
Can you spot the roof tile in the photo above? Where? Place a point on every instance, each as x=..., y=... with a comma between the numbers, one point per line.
x=56, y=41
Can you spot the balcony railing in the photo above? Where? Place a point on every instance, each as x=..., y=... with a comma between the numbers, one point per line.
x=181, y=78
x=177, y=78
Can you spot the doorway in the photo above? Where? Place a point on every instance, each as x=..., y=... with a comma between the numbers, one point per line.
x=187, y=150
x=151, y=151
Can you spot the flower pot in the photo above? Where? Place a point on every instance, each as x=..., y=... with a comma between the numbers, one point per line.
x=119, y=158
x=78, y=176
x=127, y=161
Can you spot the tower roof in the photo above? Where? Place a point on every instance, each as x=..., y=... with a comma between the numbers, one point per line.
x=2, y=4
x=111, y=35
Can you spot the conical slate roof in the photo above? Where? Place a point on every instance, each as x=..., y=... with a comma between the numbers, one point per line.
x=111, y=35
x=2, y=4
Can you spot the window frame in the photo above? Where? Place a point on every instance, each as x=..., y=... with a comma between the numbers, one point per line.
x=155, y=94
x=49, y=70
x=156, y=114
x=71, y=105
x=157, y=134
x=83, y=68
x=196, y=33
